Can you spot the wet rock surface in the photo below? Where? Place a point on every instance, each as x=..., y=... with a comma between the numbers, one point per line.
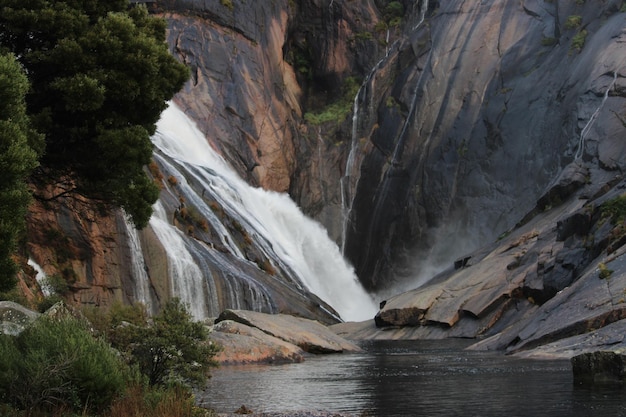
x=487, y=120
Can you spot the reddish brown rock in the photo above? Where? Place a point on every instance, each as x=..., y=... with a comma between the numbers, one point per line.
x=242, y=344
x=310, y=335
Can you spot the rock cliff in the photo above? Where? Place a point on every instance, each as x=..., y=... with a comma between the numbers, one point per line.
x=466, y=112
x=418, y=133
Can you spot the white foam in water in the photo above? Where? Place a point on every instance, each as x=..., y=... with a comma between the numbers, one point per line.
x=300, y=242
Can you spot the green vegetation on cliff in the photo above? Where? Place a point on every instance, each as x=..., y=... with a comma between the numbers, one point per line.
x=17, y=160
x=338, y=110
x=100, y=75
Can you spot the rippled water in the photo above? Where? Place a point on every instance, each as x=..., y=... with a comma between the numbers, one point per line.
x=413, y=379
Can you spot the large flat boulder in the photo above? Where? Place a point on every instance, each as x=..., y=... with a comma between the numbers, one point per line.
x=311, y=336
x=243, y=344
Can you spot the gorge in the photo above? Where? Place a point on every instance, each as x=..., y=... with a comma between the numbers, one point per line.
x=483, y=134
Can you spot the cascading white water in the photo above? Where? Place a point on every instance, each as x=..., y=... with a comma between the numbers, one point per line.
x=138, y=266
x=186, y=277
x=286, y=235
x=41, y=277
x=583, y=133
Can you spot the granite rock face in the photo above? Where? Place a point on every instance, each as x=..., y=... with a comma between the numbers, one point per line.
x=309, y=335
x=462, y=121
x=243, y=344
x=553, y=287
x=491, y=101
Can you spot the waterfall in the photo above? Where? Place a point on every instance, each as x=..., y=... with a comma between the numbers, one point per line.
x=583, y=133
x=186, y=279
x=293, y=242
x=138, y=267
x=41, y=277
x=423, y=10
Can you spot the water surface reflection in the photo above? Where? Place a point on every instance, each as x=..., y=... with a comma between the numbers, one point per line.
x=413, y=379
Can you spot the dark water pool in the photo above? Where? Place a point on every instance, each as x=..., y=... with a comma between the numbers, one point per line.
x=413, y=379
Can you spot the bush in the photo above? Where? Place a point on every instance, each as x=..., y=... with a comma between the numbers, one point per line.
x=58, y=364
x=175, y=348
x=172, y=349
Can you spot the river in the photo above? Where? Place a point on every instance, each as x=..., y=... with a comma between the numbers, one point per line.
x=423, y=378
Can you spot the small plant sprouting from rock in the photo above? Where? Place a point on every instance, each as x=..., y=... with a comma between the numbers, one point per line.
x=340, y=109
x=578, y=41
x=615, y=209
x=573, y=22
x=605, y=272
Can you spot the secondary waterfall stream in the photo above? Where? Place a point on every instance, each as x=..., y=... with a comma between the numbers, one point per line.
x=271, y=223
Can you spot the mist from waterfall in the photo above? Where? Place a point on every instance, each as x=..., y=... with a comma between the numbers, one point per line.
x=292, y=241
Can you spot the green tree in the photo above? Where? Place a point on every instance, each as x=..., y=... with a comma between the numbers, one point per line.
x=17, y=160
x=101, y=74
x=172, y=348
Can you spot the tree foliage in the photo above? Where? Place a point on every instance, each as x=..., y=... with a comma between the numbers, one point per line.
x=169, y=348
x=101, y=74
x=17, y=160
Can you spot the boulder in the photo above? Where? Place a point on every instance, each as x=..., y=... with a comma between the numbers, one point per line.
x=14, y=317
x=242, y=344
x=311, y=336
x=599, y=367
